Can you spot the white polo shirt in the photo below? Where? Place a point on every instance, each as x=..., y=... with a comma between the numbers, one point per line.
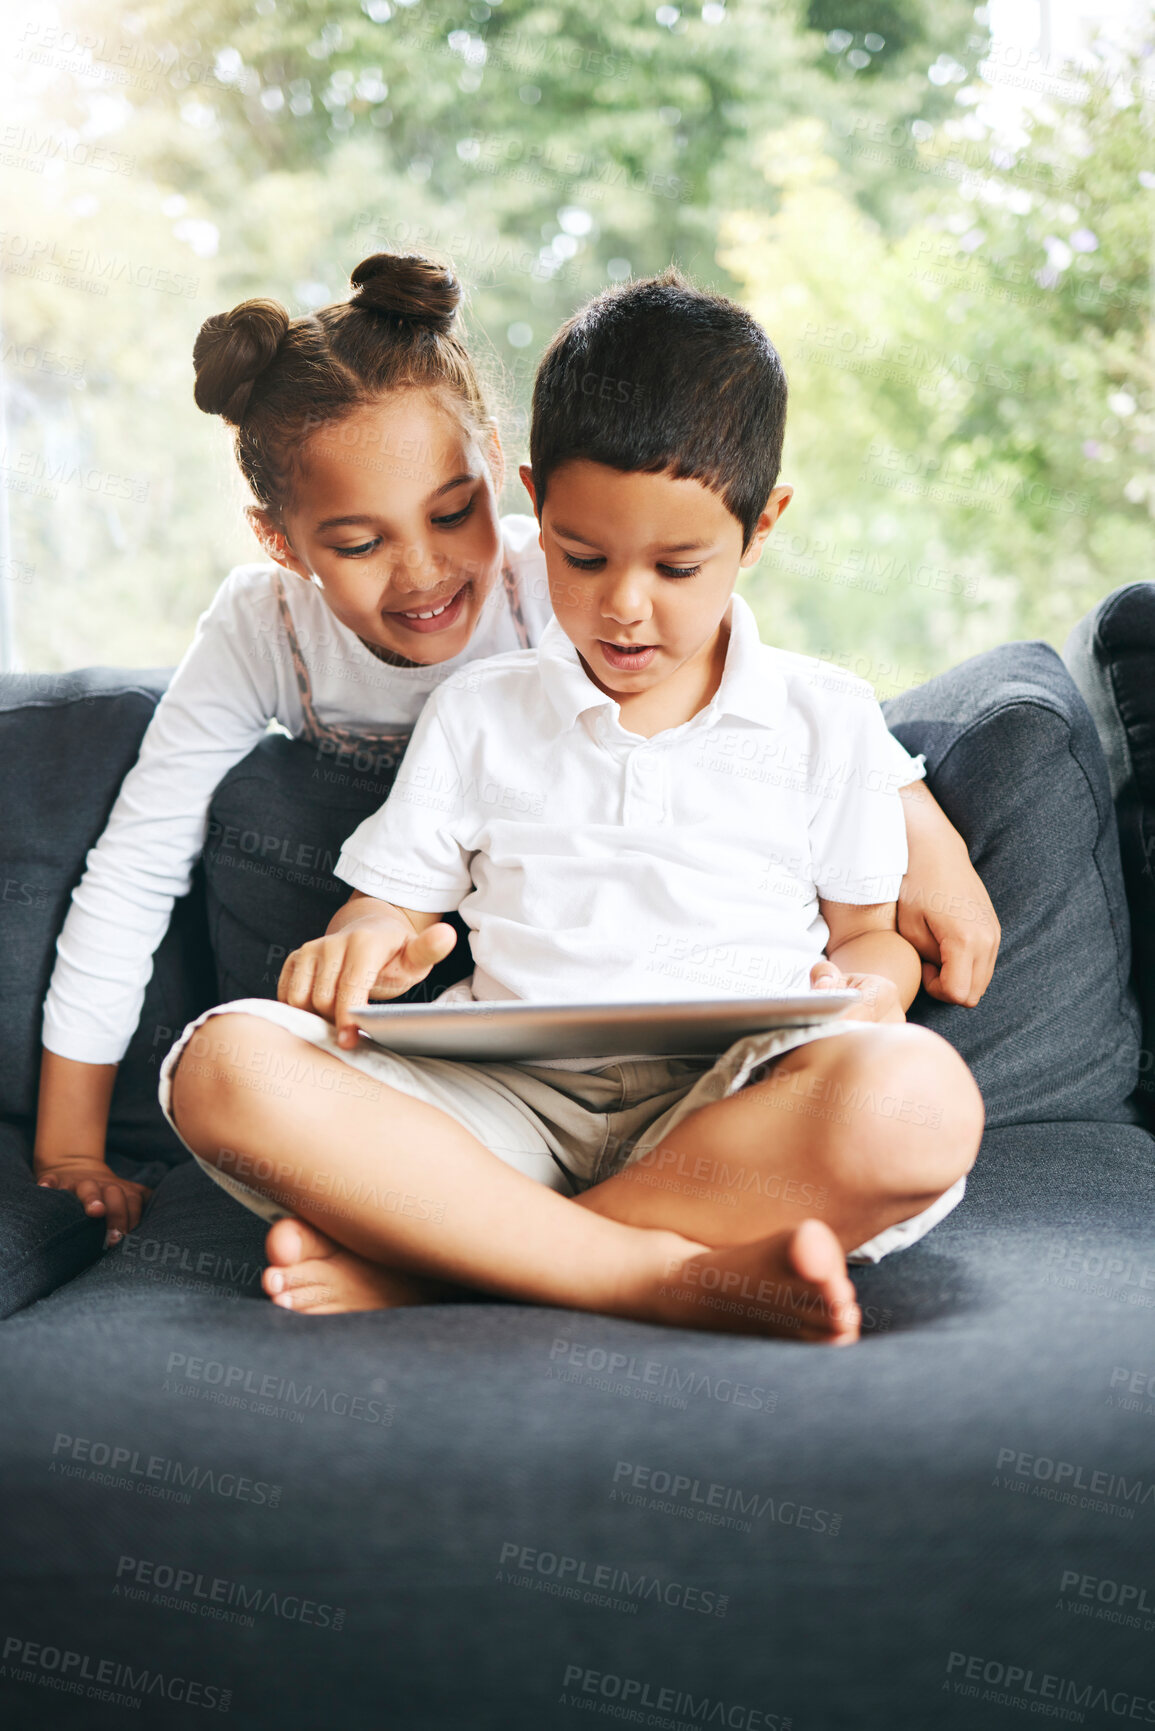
x=592, y=865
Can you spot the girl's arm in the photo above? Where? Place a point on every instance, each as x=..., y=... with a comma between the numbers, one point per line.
x=943, y=908
x=215, y=710
x=69, y=1152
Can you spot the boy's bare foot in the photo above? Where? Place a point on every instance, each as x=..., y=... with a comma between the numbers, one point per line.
x=793, y=1284
x=310, y=1273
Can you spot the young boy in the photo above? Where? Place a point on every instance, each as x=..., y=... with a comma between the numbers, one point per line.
x=651, y=805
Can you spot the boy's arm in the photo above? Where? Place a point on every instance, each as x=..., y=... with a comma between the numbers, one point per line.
x=943, y=908
x=371, y=948
x=865, y=951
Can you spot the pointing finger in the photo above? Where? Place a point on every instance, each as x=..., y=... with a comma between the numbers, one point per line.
x=429, y=947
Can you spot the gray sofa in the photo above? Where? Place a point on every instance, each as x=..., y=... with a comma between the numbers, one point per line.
x=489, y=1515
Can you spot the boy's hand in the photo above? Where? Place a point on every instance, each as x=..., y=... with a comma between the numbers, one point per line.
x=880, y=1001
x=99, y=1189
x=374, y=957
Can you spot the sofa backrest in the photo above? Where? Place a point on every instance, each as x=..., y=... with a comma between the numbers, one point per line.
x=1111, y=656
x=1014, y=759
x=277, y=823
x=1012, y=755
x=66, y=742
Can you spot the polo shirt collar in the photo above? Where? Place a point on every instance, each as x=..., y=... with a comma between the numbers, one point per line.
x=752, y=688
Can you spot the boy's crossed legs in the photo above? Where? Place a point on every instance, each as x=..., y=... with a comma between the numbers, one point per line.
x=729, y=1250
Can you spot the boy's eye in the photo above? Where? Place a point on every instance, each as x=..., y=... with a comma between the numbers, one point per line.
x=356, y=552
x=679, y=570
x=456, y=517
x=582, y=564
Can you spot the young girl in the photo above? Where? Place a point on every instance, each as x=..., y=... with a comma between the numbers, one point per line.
x=375, y=471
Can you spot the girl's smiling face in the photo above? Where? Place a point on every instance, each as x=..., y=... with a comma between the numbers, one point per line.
x=393, y=514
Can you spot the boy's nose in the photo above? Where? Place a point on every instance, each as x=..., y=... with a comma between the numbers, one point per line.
x=626, y=601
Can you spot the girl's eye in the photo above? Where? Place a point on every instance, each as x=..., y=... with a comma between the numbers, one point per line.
x=356, y=552
x=679, y=570
x=457, y=517
x=582, y=564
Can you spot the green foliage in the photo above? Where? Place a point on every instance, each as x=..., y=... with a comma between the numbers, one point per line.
x=265, y=148
x=974, y=401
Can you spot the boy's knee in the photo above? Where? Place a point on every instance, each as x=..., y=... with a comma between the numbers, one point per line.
x=959, y=1113
x=212, y=1064
x=919, y=1107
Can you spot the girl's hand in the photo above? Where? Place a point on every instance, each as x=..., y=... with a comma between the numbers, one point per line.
x=956, y=932
x=880, y=1001
x=378, y=957
x=944, y=911
x=100, y=1190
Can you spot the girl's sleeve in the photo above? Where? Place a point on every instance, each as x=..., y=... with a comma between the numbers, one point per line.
x=215, y=710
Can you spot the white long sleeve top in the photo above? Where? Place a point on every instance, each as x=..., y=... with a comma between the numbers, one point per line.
x=267, y=650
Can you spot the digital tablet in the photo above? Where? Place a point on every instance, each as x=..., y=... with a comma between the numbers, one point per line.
x=516, y=1032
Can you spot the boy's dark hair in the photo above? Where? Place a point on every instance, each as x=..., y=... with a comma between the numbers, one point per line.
x=657, y=376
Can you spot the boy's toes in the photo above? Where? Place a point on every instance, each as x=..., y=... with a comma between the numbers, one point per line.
x=289, y=1241
x=308, y=1272
x=815, y=1254
x=309, y=1296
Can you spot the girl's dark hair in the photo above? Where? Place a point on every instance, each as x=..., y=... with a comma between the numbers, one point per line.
x=657, y=376
x=275, y=378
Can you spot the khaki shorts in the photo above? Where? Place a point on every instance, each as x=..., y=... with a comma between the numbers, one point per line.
x=566, y=1129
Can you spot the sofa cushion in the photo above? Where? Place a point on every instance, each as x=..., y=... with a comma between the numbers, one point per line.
x=45, y=1235
x=1111, y=657
x=514, y=1509
x=277, y=824
x=1014, y=759
x=66, y=742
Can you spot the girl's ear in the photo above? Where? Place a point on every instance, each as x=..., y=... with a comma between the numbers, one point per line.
x=274, y=540
x=775, y=505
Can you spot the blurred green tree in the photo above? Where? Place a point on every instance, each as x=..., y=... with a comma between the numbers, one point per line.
x=974, y=401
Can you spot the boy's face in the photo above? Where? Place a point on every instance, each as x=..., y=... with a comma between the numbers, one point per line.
x=641, y=571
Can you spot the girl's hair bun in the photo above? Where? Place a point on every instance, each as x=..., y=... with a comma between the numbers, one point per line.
x=407, y=286
x=231, y=352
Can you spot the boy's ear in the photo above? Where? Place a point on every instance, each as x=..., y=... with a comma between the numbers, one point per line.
x=275, y=542
x=526, y=474
x=775, y=505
